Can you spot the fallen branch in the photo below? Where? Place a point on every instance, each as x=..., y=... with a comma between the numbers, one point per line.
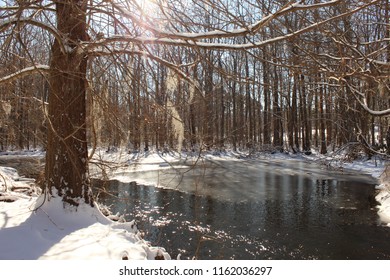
x=8, y=198
x=5, y=182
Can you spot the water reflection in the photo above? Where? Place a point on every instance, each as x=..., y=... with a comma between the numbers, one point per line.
x=264, y=215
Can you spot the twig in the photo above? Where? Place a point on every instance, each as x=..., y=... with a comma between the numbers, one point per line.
x=5, y=182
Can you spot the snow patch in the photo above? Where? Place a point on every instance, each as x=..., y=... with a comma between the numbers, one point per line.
x=384, y=208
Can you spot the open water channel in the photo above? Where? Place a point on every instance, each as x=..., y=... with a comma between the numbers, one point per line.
x=254, y=209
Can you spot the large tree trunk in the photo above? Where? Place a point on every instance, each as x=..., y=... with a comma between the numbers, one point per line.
x=67, y=155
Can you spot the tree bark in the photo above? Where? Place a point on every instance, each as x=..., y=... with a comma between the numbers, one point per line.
x=267, y=105
x=67, y=154
x=323, y=145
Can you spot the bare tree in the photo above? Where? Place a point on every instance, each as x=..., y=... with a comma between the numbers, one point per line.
x=80, y=31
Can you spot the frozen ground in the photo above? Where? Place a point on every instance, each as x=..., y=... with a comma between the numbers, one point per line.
x=52, y=231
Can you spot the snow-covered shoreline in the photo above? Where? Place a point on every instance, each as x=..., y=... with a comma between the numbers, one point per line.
x=60, y=233
x=32, y=230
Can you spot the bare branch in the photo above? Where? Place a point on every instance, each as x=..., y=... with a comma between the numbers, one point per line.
x=250, y=29
x=25, y=72
x=191, y=39
x=5, y=23
x=360, y=97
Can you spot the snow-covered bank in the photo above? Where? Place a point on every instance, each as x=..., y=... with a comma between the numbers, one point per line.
x=384, y=208
x=30, y=230
x=14, y=187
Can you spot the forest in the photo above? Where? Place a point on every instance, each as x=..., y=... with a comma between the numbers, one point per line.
x=319, y=78
x=169, y=99
x=192, y=75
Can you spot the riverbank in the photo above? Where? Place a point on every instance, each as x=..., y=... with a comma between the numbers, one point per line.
x=59, y=233
x=31, y=230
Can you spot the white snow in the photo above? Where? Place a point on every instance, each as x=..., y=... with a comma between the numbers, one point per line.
x=30, y=230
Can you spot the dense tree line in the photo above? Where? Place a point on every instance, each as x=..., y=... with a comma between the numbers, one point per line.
x=209, y=74
x=295, y=94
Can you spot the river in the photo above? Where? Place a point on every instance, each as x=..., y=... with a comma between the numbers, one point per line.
x=253, y=209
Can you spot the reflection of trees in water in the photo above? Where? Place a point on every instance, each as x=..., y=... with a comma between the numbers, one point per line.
x=294, y=218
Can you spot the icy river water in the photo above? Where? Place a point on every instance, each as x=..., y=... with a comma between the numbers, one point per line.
x=254, y=209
